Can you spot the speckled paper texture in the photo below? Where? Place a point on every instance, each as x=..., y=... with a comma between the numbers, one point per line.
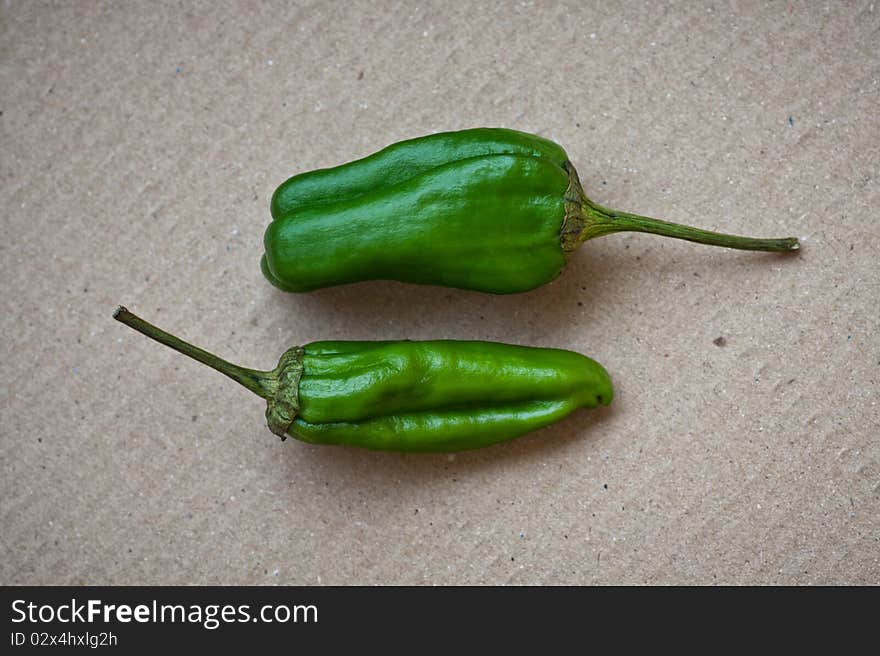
x=141, y=143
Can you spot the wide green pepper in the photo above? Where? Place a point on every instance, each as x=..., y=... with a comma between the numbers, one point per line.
x=492, y=210
x=408, y=395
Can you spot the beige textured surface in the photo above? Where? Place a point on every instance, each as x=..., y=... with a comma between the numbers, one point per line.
x=141, y=144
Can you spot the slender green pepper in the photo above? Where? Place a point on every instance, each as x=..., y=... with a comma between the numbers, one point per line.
x=411, y=396
x=487, y=209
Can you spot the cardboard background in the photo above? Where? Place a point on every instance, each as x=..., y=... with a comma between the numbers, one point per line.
x=141, y=144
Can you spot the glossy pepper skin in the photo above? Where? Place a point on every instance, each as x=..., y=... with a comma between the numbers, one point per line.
x=488, y=209
x=402, y=161
x=428, y=396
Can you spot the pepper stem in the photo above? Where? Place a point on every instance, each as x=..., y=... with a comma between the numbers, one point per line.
x=261, y=383
x=603, y=221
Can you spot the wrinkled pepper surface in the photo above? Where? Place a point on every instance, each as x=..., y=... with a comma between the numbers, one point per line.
x=410, y=395
x=486, y=209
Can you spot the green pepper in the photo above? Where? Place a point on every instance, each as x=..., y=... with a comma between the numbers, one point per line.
x=408, y=395
x=491, y=210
